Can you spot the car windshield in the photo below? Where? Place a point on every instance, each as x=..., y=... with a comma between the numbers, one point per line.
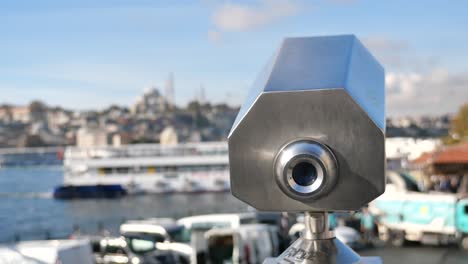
x=141, y=245
x=410, y=183
x=210, y=225
x=180, y=234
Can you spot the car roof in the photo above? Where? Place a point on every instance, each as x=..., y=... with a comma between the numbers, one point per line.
x=214, y=218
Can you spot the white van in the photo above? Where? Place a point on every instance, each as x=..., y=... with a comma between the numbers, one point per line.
x=50, y=252
x=196, y=226
x=251, y=243
x=9, y=255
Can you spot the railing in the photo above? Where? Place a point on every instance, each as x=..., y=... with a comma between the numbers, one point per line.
x=18, y=157
x=148, y=150
x=41, y=150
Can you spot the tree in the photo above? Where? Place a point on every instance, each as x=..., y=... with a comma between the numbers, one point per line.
x=458, y=131
x=193, y=106
x=37, y=106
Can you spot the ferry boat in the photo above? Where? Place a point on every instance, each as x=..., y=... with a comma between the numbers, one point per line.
x=144, y=168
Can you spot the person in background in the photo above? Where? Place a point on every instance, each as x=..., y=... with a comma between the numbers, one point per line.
x=76, y=232
x=444, y=184
x=332, y=221
x=367, y=226
x=102, y=230
x=454, y=184
x=435, y=183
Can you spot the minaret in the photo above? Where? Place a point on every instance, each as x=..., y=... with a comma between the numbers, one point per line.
x=201, y=95
x=170, y=89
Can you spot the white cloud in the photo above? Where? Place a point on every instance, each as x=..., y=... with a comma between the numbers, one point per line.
x=241, y=17
x=383, y=44
x=398, y=54
x=417, y=84
x=435, y=92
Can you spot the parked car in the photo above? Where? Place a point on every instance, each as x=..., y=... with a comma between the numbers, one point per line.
x=9, y=255
x=407, y=214
x=48, y=252
x=110, y=250
x=144, y=237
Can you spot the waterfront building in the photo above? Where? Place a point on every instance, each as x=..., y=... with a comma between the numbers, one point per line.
x=21, y=114
x=87, y=137
x=169, y=136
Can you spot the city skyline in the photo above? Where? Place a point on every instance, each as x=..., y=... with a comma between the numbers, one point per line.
x=89, y=55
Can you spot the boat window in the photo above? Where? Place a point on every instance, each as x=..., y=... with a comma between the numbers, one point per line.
x=104, y=171
x=218, y=167
x=122, y=170
x=189, y=168
x=170, y=175
x=220, y=249
x=182, y=168
x=160, y=184
x=203, y=168
x=76, y=171
x=466, y=209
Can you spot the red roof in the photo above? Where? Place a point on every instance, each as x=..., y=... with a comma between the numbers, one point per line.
x=424, y=158
x=457, y=154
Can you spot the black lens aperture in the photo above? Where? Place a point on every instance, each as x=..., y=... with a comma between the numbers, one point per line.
x=304, y=173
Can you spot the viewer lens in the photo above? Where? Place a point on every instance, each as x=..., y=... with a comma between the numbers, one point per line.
x=304, y=173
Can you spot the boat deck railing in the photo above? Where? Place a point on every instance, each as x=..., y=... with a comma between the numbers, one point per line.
x=147, y=150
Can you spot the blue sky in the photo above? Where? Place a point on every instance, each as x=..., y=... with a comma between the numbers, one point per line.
x=88, y=54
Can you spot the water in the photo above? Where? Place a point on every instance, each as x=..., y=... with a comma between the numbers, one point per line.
x=28, y=210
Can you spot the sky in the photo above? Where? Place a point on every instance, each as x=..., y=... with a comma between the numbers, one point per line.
x=88, y=54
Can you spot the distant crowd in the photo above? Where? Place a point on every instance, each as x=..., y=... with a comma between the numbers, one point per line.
x=443, y=183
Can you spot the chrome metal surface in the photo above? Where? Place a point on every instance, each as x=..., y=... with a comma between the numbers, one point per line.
x=305, y=159
x=319, y=246
x=323, y=89
x=327, y=62
x=316, y=226
x=318, y=251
